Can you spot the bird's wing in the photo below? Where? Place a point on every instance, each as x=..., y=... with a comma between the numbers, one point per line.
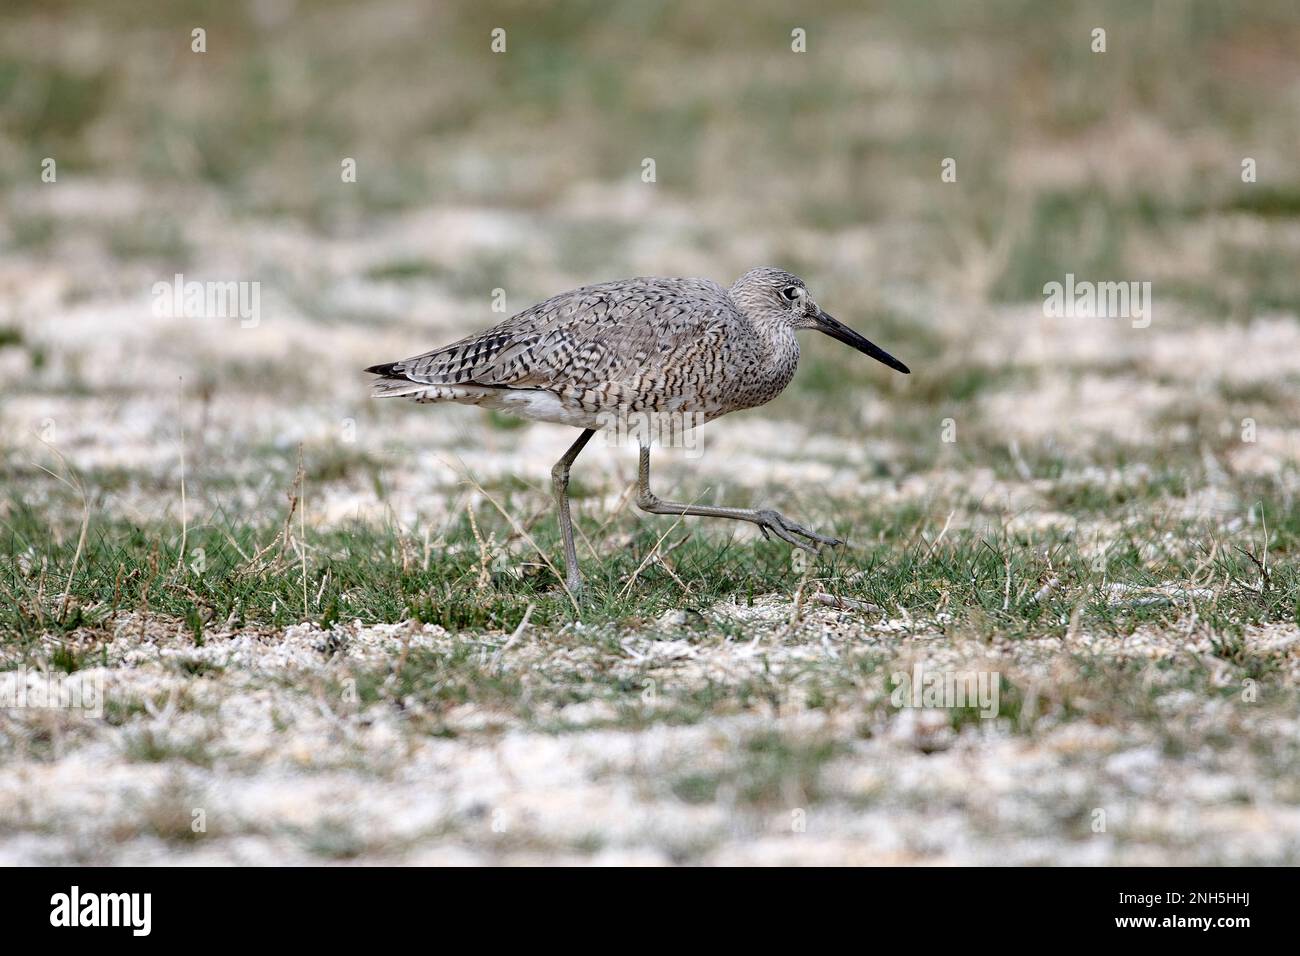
x=595, y=334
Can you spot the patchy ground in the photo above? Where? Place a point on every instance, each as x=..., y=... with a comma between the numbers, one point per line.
x=404, y=743
x=325, y=628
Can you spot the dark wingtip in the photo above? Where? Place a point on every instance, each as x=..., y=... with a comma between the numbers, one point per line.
x=386, y=369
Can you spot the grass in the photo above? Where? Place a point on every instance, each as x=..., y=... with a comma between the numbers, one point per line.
x=772, y=770
x=967, y=588
x=252, y=574
x=981, y=593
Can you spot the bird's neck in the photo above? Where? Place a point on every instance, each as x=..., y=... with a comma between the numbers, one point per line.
x=781, y=348
x=775, y=332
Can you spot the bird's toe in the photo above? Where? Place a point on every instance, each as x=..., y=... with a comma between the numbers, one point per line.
x=810, y=534
x=785, y=529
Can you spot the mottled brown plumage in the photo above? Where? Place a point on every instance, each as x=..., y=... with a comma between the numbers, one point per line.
x=589, y=357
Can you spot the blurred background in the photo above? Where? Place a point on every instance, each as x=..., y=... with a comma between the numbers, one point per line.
x=522, y=171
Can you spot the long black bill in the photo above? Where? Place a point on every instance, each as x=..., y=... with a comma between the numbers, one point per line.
x=838, y=330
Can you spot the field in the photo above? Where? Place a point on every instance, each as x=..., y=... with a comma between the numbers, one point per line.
x=328, y=628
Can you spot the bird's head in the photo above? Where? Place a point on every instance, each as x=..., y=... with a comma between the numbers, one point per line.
x=782, y=295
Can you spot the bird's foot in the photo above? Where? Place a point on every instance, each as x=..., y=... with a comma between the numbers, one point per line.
x=785, y=529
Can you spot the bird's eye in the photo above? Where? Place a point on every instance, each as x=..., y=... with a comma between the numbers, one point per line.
x=791, y=292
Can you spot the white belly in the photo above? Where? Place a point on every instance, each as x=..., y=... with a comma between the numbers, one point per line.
x=541, y=406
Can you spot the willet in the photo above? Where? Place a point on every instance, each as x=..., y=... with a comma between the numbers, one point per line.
x=686, y=349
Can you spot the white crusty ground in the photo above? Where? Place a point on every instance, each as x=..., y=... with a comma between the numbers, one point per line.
x=292, y=773
x=285, y=771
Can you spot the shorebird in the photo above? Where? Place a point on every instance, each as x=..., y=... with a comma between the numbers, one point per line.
x=593, y=357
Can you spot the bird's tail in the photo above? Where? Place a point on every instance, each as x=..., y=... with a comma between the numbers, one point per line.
x=391, y=382
x=394, y=383
x=393, y=387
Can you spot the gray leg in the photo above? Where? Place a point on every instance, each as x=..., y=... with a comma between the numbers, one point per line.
x=766, y=519
x=560, y=484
